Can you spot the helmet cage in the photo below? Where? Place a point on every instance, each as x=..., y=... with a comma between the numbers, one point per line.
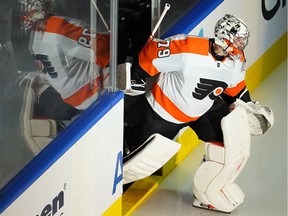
x=33, y=10
x=231, y=30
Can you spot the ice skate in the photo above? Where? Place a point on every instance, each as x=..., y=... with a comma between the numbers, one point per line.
x=198, y=204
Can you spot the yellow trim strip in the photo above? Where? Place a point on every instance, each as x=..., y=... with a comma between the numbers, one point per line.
x=115, y=209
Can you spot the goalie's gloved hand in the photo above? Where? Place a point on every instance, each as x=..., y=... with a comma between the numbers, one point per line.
x=261, y=117
x=137, y=88
x=138, y=85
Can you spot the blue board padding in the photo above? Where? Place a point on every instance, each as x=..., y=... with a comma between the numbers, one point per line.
x=193, y=17
x=62, y=143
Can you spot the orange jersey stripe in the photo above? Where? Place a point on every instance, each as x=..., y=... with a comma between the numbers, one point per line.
x=84, y=93
x=146, y=56
x=192, y=45
x=60, y=26
x=152, y=49
x=169, y=106
x=235, y=90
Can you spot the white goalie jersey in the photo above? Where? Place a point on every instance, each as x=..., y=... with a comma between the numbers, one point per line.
x=71, y=57
x=186, y=88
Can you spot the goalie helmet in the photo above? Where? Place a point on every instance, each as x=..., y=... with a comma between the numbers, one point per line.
x=231, y=31
x=33, y=10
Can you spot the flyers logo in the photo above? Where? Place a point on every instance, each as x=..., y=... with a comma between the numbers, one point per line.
x=207, y=87
x=45, y=66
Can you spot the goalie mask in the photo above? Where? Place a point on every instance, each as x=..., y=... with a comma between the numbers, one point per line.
x=33, y=10
x=231, y=31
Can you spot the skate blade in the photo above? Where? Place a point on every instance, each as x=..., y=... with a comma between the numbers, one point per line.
x=198, y=204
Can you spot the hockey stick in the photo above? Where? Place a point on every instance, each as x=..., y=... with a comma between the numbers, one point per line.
x=101, y=16
x=166, y=8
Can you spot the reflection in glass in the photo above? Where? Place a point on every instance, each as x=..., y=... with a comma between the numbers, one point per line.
x=51, y=68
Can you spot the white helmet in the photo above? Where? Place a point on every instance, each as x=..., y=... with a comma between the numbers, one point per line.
x=33, y=10
x=231, y=30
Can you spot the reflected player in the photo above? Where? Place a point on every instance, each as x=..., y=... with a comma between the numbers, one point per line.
x=70, y=58
x=66, y=51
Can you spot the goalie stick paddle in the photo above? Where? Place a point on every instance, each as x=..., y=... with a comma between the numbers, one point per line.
x=166, y=8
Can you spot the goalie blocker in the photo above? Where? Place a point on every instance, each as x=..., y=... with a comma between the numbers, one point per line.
x=124, y=82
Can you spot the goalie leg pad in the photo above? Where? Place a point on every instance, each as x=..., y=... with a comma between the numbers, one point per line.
x=37, y=133
x=150, y=159
x=214, y=185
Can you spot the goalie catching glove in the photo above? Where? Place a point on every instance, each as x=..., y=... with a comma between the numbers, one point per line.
x=261, y=118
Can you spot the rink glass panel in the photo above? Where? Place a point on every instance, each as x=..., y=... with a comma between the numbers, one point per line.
x=15, y=63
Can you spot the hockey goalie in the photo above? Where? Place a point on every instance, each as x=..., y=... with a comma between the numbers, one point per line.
x=198, y=82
